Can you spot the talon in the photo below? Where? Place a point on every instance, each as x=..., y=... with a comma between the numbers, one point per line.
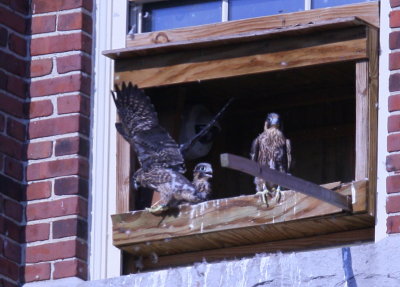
x=278, y=194
x=157, y=209
x=264, y=195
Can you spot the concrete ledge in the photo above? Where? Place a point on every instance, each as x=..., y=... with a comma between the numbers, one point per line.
x=65, y=282
x=372, y=264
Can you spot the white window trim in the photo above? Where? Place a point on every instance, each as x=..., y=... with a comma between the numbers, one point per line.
x=110, y=16
x=383, y=114
x=110, y=26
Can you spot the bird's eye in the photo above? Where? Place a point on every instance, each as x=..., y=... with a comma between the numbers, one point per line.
x=202, y=168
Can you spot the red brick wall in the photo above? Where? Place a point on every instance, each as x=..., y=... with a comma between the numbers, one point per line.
x=14, y=79
x=58, y=149
x=393, y=142
x=45, y=87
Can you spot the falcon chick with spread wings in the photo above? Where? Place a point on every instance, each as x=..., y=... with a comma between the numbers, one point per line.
x=161, y=162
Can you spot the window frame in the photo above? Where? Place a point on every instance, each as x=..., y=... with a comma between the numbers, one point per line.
x=366, y=90
x=224, y=15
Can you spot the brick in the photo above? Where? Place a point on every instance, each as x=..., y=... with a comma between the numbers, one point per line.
x=75, y=21
x=21, y=6
x=37, y=272
x=40, y=109
x=393, y=184
x=16, y=129
x=67, y=146
x=37, y=232
x=70, y=227
x=58, y=85
x=11, y=147
x=393, y=142
x=17, y=44
x=58, y=126
x=12, y=251
x=73, y=104
x=393, y=162
x=13, y=230
x=73, y=145
x=394, y=103
x=394, y=82
x=61, y=167
x=12, y=188
x=12, y=64
x=13, y=210
x=394, y=40
x=394, y=19
x=394, y=61
x=9, y=269
x=394, y=3
x=55, y=208
x=38, y=190
x=53, y=251
x=11, y=106
x=43, y=6
x=393, y=204
x=43, y=24
x=1, y=163
x=70, y=268
x=13, y=20
x=71, y=186
x=2, y=123
x=40, y=150
x=3, y=37
x=14, y=168
x=393, y=123
x=393, y=224
x=77, y=62
x=41, y=67
x=17, y=86
x=61, y=43
x=3, y=80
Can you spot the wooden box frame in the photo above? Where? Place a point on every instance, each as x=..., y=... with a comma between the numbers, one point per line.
x=206, y=53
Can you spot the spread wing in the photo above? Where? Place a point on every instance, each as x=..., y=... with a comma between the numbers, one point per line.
x=139, y=125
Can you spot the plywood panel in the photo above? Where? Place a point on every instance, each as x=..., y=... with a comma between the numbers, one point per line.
x=182, y=68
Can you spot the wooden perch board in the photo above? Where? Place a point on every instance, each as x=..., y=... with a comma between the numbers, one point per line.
x=237, y=221
x=297, y=184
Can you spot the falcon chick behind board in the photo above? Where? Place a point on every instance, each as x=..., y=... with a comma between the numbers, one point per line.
x=202, y=173
x=271, y=148
x=160, y=157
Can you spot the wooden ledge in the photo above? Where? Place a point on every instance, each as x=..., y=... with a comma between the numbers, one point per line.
x=213, y=41
x=368, y=11
x=238, y=221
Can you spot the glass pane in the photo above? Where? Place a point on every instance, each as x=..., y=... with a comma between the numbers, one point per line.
x=175, y=14
x=240, y=9
x=330, y=3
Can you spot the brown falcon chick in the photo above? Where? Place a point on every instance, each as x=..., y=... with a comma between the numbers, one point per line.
x=271, y=148
x=202, y=173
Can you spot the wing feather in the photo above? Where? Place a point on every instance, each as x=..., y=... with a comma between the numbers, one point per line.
x=140, y=126
x=255, y=149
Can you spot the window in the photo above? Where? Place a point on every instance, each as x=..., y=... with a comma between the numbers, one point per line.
x=316, y=67
x=163, y=15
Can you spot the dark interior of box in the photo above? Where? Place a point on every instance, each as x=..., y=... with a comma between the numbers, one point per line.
x=316, y=105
